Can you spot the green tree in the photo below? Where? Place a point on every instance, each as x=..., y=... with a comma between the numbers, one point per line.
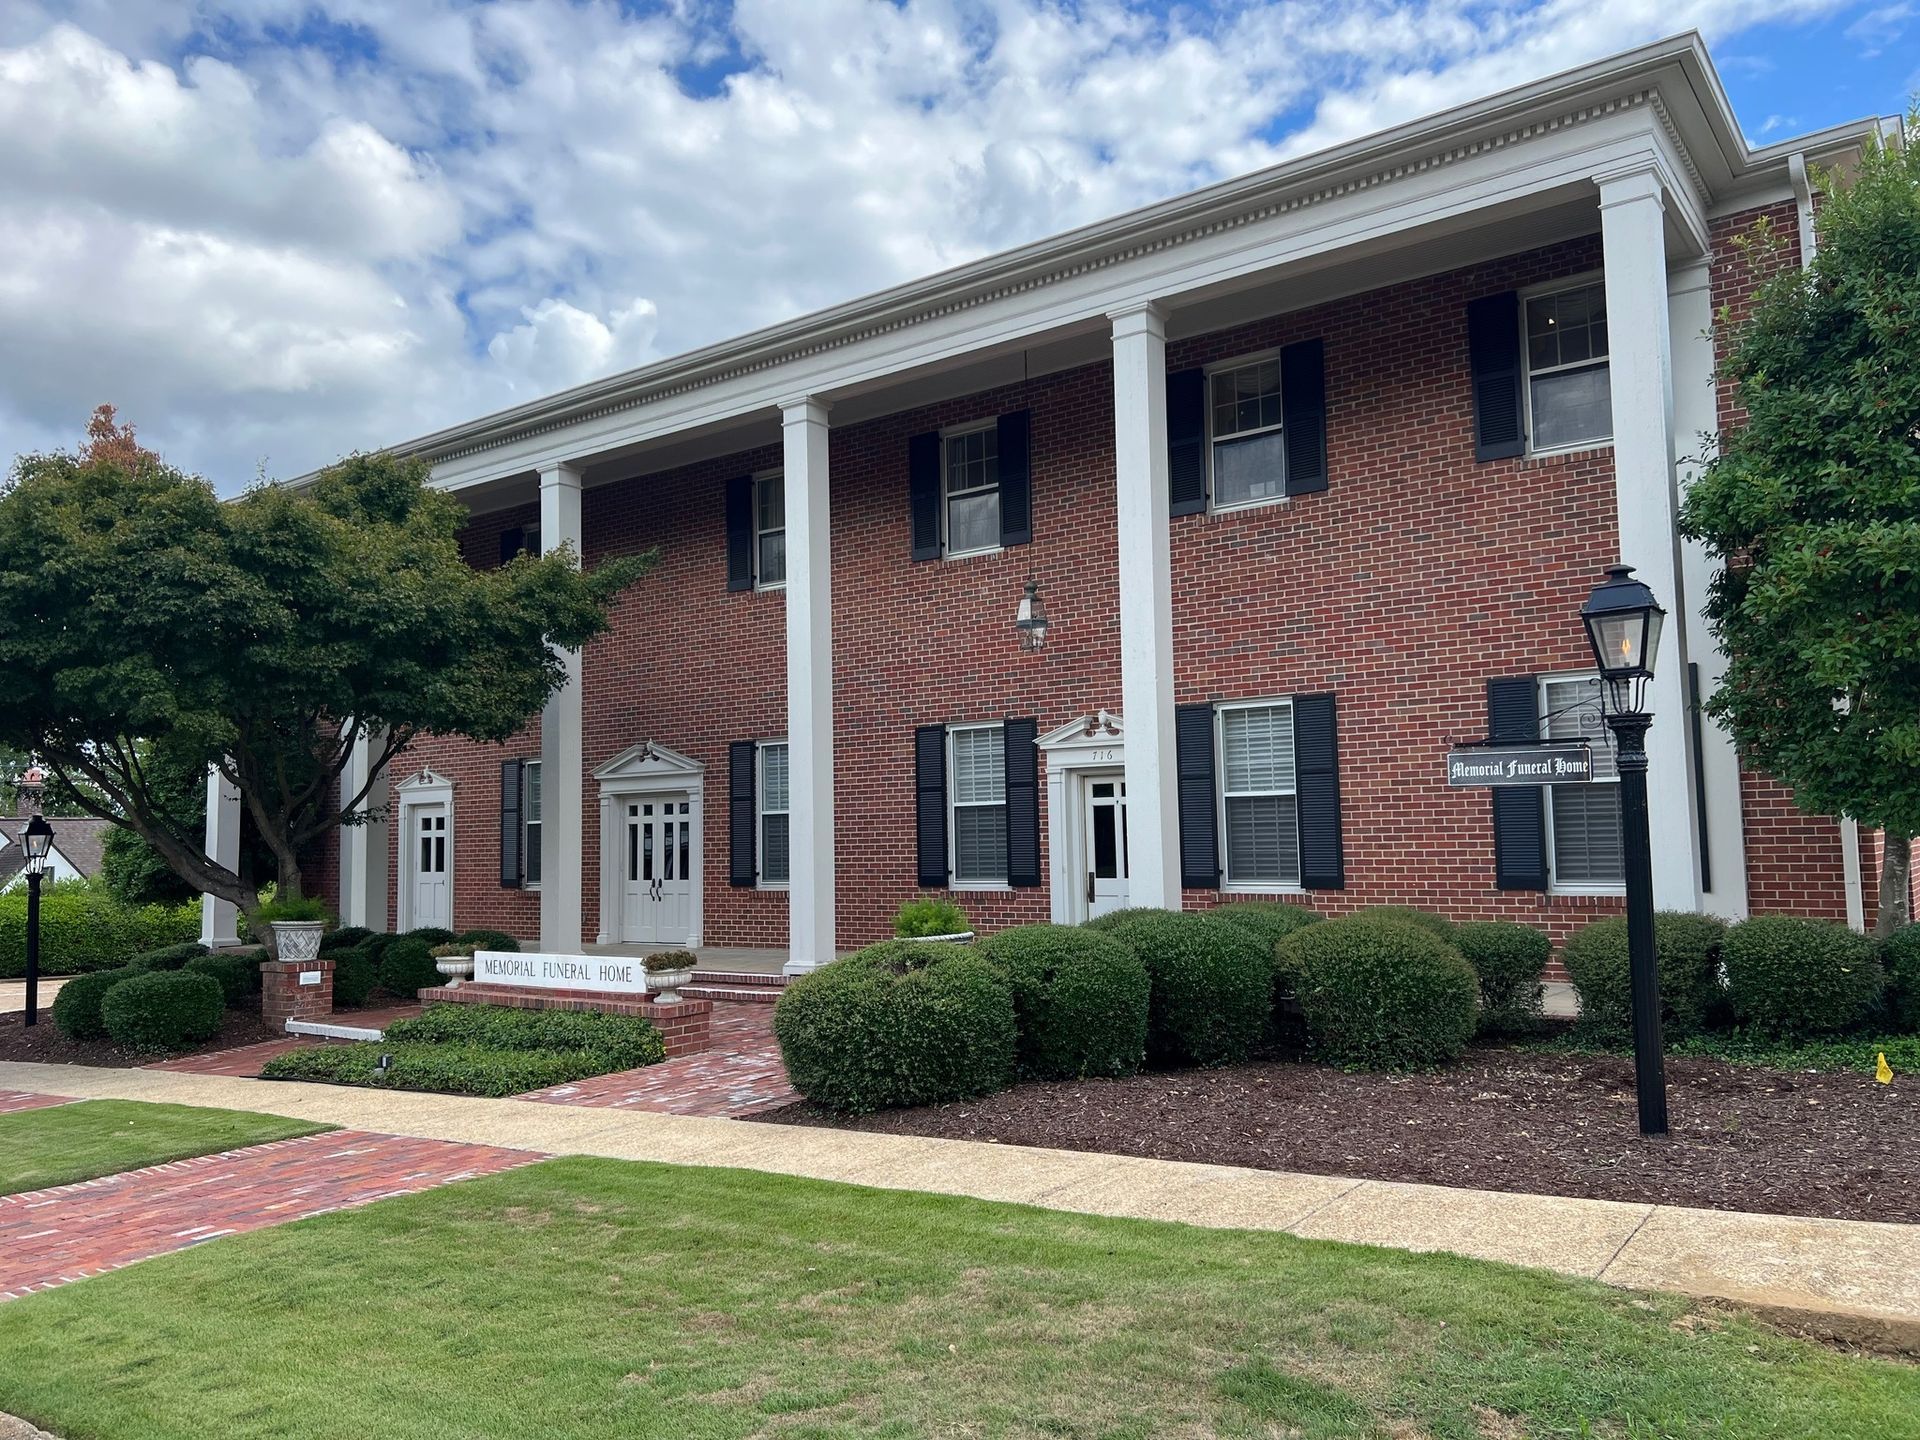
x=1812, y=508
x=148, y=630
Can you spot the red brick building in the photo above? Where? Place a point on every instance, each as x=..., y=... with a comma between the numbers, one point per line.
x=1311, y=472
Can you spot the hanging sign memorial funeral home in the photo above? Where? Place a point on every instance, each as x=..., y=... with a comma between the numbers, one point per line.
x=1519, y=764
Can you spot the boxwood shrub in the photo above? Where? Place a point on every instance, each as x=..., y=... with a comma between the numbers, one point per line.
x=489, y=940
x=1692, y=999
x=354, y=976
x=76, y=1009
x=1508, y=959
x=164, y=1010
x=1900, y=958
x=1381, y=994
x=628, y=1041
x=430, y=935
x=1437, y=925
x=238, y=976
x=1079, y=1000
x=1211, y=983
x=168, y=957
x=347, y=937
x=899, y=1023
x=84, y=928
x=406, y=966
x=445, y=1069
x=1271, y=920
x=1789, y=976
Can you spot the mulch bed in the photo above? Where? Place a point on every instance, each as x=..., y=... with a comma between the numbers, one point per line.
x=45, y=1045
x=1744, y=1138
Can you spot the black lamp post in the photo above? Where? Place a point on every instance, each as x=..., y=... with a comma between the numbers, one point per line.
x=1623, y=627
x=38, y=840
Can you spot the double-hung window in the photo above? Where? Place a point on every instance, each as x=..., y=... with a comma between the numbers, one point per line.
x=1249, y=459
x=971, y=476
x=1569, y=395
x=1583, y=820
x=774, y=817
x=1262, y=826
x=530, y=823
x=770, y=530
x=977, y=761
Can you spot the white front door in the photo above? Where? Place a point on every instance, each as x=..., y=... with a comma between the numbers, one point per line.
x=661, y=851
x=1105, y=846
x=432, y=889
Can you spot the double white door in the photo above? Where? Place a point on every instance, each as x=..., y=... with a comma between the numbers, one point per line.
x=661, y=851
x=432, y=886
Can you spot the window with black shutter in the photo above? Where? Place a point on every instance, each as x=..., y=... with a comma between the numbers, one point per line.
x=1199, y=842
x=1519, y=811
x=510, y=835
x=740, y=529
x=742, y=762
x=1493, y=354
x=930, y=804
x=1023, y=802
x=1014, y=441
x=1187, y=441
x=1316, y=749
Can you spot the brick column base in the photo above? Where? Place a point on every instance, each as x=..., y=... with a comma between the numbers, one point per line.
x=284, y=998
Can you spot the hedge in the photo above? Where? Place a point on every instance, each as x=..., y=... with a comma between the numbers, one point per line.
x=1687, y=947
x=445, y=1069
x=1211, y=983
x=429, y=935
x=164, y=1010
x=76, y=1009
x=1382, y=994
x=1436, y=925
x=1788, y=976
x=1508, y=958
x=1079, y=1000
x=347, y=937
x=899, y=1023
x=1900, y=958
x=629, y=1040
x=1272, y=920
x=84, y=928
x=238, y=976
x=407, y=967
x=354, y=976
x=489, y=940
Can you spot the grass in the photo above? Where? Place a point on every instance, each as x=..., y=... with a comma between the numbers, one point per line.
x=583, y=1298
x=65, y=1143
x=1742, y=1047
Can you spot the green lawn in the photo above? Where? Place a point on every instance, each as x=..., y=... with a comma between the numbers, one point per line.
x=596, y=1298
x=65, y=1143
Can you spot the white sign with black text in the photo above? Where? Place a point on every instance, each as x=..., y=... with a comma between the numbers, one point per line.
x=621, y=973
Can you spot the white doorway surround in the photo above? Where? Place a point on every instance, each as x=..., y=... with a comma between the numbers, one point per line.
x=426, y=850
x=1086, y=816
x=652, y=829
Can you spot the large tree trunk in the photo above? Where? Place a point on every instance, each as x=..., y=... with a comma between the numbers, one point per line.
x=1896, y=868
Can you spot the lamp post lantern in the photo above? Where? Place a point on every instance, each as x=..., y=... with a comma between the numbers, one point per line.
x=1030, y=620
x=1623, y=621
x=37, y=841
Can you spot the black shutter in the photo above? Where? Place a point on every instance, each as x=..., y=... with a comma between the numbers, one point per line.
x=1316, y=771
x=923, y=495
x=742, y=823
x=1303, y=405
x=1016, y=479
x=1493, y=351
x=1519, y=811
x=740, y=533
x=512, y=541
x=1187, y=442
x=1023, y=802
x=930, y=803
x=1199, y=835
x=511, y=860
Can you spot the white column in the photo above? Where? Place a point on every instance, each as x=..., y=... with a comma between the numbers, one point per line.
x=1633, y=233
x=364, y=848
x=223, y=848
x=810, y=893
x=560, y=746
x=1146, y=604
x=1696, y=423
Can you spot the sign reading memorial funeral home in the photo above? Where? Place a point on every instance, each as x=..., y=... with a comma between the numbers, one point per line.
x=1519, y=764
x=561, y=972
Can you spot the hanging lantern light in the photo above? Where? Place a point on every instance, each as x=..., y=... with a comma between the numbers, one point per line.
x=1031, y=618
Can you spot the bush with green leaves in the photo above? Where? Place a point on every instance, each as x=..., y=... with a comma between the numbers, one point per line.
x=407, y=967
x=1687, y=947
x=1079, y=1000
x=1437, y=925
x=1900, y=958
x=625, y=1041
x=489, y=940
x=900, y=1023
x=1272, y=920
x=929, y=915
x=1211, y=983
x=76, y=1009
x=164, y=1010
x=354, y=976
x=347, y=937
x=1508, y=958
x=303, y=909
x=669, y=962
x=168, y=957
x=84, y=927
x=1381, y=994
x=430, y=935
x=238, y=977
x=1791, y=976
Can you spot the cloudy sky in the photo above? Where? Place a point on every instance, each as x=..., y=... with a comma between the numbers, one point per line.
x=271, y=231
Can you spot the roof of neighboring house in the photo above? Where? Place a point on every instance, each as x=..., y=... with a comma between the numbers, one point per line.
x=81, y=838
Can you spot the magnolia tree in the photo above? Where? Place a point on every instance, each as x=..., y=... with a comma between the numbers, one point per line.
x=1812, y=508
x=148, y=628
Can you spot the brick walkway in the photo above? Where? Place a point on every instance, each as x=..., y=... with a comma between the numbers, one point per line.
x=51, y=1237
x=15, y=1100
x=742, y=1073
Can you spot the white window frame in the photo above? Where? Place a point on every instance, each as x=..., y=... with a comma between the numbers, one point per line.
x=1554, y=885
x=947, y=437
x=760, y=813
x=1228, y=886
x=954, y=882
x=530, y=829
x=1240, y=362
x=1527, y=372
x=760, y=479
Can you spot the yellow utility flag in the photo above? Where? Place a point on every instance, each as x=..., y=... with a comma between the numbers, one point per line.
x=1882, y=1071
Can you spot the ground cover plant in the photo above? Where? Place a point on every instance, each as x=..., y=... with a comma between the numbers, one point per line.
x=867, y=1313
x=67, y=1143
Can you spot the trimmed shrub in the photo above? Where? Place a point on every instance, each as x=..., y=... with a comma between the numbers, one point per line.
x=1079, y=1000
x=164, y=1010
x=1380, y=994
x=1900, y=958
x=430, y=935
x=1272, y=920
x=76, y=1009
x=84, y=928
x=489, y=940
x=929, y=915
x=1211, y=983
x=170, y=957
x=444, y=1069
x=407, y=968
x=238, y=976
x=627, y=1041
x=898, y=1023
x=1789, y=976
x=347, y=937
x=1437, y=925
x=1688, y=948
x=1508, y=958
x=354, y=976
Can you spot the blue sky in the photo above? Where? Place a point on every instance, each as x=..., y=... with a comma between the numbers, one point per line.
x=274, y=231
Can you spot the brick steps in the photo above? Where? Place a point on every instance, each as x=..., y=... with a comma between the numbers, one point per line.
x=738, y=987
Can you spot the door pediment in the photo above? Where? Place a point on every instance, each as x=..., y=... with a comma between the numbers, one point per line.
x=1096, y=739
x=647, y=766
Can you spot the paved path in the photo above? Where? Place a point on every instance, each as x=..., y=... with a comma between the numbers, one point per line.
x=13, y=996
x=16, y=1100
x=741, y=1073
x=1855, y=1278
x=51, y=1237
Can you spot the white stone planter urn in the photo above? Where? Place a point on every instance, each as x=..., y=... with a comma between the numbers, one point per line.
x=297, y=939
x=455, y=968
x=665, y=985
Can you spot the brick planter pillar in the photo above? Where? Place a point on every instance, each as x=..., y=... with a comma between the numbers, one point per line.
x=283, y=997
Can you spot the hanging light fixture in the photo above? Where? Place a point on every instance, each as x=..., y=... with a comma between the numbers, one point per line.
x=1031, y=618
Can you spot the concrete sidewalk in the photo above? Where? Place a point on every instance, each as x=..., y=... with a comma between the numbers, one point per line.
x=1855, y=1280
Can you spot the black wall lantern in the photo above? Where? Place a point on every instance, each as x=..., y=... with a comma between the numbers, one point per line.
x=1030, y=620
